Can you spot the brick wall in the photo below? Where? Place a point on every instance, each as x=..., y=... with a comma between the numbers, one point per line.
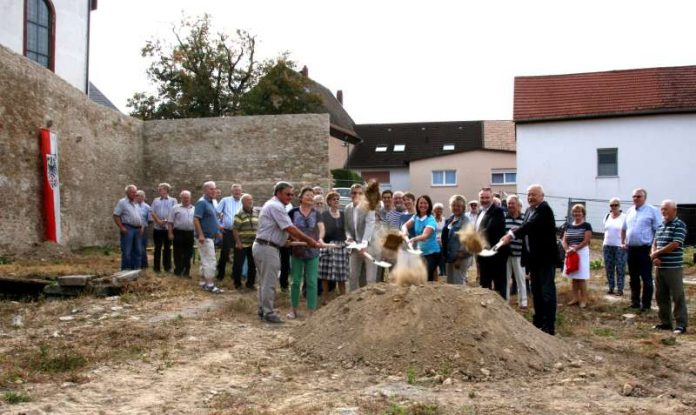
x=499, y=135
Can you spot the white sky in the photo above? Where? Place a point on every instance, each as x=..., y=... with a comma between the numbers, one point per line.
x=410, y=61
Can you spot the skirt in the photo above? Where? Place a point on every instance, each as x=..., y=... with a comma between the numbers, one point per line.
x=583, y=272
x=333, y=262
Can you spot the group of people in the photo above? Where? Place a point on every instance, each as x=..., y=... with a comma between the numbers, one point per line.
x=320, y=246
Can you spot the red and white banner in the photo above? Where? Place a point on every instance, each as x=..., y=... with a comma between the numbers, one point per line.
x=51, y=190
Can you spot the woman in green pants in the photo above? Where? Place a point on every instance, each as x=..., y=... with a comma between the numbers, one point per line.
x=304, y=261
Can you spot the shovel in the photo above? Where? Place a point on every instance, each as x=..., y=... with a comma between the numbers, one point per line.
x=383, y=264
x=492, y=251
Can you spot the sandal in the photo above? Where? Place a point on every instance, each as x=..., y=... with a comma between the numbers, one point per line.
x=291, y=315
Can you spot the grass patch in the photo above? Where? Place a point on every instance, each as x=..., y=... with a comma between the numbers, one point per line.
x=604, y=332
x=411, y=375
x=596, y=264
x=51, y=360
x=396, y=408
x=14, y=398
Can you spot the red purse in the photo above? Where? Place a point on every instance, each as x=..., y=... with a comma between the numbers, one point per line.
x=572, y=262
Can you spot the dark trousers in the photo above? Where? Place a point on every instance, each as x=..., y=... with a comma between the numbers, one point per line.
x=163, y=250
x=284, y=268
x=143, y=250
x=183, y=252
x=669, y=289
x=432, y=261
x=640, y=270
x=227, y=246
x=544, y=295
x=494, y=274
x=238, y=265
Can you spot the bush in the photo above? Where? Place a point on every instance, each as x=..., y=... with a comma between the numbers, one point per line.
x=16, y=397
x=345, y=178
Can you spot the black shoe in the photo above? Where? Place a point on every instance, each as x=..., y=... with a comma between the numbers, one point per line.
x=260, y=313
x=634, y=306
x=272, y=318
x=679, y=330
x=662, y=326
x=619, y=293
x=644, y=310
x=611, y=291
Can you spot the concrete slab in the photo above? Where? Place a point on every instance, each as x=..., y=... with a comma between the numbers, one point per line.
x=74, y=280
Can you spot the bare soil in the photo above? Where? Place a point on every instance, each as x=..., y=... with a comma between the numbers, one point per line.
x=168, y=347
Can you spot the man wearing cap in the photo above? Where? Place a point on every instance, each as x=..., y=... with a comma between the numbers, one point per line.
x=272, y=234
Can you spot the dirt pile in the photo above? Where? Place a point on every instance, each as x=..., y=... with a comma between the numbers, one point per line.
x=449, y=330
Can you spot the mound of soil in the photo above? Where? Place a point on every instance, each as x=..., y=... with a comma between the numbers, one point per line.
x=445, y=329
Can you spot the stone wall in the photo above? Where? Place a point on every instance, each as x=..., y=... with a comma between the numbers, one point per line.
x=101, y=151
x=499, y=135
x=98, y=154
x=255, y=151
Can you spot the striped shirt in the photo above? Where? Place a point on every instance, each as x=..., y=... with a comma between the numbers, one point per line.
x=393, y=218
x=668, y=232
x=246, y=224
x=575, y=234
x=512, y=223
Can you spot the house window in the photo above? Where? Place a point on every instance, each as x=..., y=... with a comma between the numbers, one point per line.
x=380, y=149
x=444, y=178
x=504, y=177
x=39, y=36
x=399, y=147
x=607, y=162
x=448, y=147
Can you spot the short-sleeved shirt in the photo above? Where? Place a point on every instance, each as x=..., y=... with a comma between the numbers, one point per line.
x=405, y=216
x=575, y=234
x=612, y=229
x=430, y=245
x=309, y=225
x=668, y=232
x=393, y=218
x=205, y=212
x=129, y=212
x=641, y=224
x=181, y=217
x=144, y=212
x=161, y=207
x=246, y=224
x=512, y=223
x=273, y=222
x=229, y=207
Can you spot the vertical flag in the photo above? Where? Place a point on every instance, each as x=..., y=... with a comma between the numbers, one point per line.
x=51, y=191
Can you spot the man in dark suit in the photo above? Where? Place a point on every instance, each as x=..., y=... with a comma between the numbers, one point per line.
x=491, y=224
x=539, y=256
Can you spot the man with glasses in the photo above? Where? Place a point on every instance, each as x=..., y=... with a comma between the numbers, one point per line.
x=642, y=220
x=359, y=226
x=271, y=235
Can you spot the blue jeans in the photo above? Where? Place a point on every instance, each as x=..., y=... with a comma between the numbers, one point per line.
x=131, y=246
x=614, y=263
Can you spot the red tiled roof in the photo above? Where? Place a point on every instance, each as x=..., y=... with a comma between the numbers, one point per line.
x=601, y=94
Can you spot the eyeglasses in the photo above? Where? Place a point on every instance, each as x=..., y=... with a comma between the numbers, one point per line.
x=637, y=196
x=614, y=205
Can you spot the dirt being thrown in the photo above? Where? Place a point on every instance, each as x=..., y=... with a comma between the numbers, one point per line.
x=446, y=329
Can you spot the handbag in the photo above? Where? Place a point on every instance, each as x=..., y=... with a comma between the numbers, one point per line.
x=572, y=262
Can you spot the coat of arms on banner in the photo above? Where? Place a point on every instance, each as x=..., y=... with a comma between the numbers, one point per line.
x=52, y=170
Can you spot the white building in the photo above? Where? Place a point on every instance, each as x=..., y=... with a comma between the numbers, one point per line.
x=590, y=137
x=53, y=33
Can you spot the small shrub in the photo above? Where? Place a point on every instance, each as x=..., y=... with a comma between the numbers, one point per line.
x=596, y=264
x=424, y=409
x=603, y=332
x=689, y=252
x=14, y=398
x=396, y=409
x=411, y=375
x=64, y=361
x=5, y=260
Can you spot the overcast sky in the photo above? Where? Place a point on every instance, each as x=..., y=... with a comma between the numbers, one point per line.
x=410, y=61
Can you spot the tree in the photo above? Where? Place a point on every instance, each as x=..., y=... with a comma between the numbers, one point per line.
x=280, y=90
x=201, y=75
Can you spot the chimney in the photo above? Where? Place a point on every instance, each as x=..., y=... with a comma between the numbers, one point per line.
x=339, y=96
x=305, y=71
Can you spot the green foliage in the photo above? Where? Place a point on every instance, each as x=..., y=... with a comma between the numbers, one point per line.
x=54, y=361
x=280, y=90
x=345, y=178
x=603, y=332
x=411, y=375
x=16, y=397
x=201, y=75
x=596, y=264
x=5, y=260
x=418, y=408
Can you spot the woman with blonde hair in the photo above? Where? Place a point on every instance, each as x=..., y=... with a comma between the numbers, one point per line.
x=457, y=258
x=576, y=241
